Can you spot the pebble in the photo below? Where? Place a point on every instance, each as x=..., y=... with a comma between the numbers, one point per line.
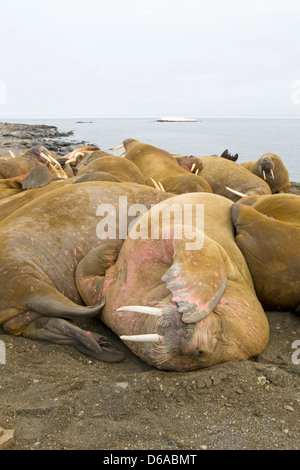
x=288, y=408
x=7, y=438
x=262, y=380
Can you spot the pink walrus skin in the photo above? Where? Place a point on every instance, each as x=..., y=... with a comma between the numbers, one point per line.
x=204, y=307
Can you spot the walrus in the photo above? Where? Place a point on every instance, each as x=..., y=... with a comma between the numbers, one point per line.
x=23, y=164
x=268, y=235
x=159, y=166
x=13, y=202
x=40, y=246
x=270, y=167
x=175, y=306
x=122, y=169
x=224, y=175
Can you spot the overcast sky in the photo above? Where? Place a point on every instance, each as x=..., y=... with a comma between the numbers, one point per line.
x=71, y=58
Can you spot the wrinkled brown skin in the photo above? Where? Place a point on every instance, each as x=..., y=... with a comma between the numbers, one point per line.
x=163, y=167
x=121, y=168
x=14, y=202
x=221, y=173
x=40, y=247
x=210, y=311
x=266, y=163
x=268, y=234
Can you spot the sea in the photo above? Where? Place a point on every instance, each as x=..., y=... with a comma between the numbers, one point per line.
x=250, y=138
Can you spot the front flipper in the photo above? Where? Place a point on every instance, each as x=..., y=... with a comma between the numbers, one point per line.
x=197, y=279
x=90, y=271
x=59, y=331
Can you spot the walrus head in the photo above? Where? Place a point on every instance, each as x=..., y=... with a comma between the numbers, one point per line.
x=273, y=171
x=181, y=309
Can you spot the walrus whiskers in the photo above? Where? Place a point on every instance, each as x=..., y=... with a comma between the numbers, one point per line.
x=143, y=338
x=141, y=309
x=236, y=192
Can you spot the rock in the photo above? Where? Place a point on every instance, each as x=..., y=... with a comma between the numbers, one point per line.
x=288, y=408
x=7, y=438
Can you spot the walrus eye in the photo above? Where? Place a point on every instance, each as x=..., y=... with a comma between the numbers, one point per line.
x=199, y=353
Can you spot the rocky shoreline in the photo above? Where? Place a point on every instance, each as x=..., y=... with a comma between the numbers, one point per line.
x=18, y=137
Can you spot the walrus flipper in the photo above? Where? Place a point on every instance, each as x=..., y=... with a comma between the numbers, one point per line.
x=48, y=301
x=59, y=331
x=196, y=287
x=90, y=271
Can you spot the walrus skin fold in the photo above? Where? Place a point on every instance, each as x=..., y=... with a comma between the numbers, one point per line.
x=180, y=309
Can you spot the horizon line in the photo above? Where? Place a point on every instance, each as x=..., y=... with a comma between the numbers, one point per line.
x=153, y=117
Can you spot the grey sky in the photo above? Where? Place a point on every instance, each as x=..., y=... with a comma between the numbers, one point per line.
x=62, y=58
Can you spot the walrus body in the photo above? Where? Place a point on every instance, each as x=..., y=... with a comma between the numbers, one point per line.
x=120, y=168
x=40, y=247
x=205, y=308
x=221, y=174
x=13, y=202
x=160, y=166
x=271, y=169
x=268, y=234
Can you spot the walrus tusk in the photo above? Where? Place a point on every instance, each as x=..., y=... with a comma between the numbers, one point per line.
x=272, y=173
x=197, y=171
x=45, y=157
x=193, y=167
x=155, y=184
x=143, y=338
x=117, y=148
x=141, y=309
x=237, y=192
x=264, y=173
x=161, y=187
x=123, y=153
x=12, y=154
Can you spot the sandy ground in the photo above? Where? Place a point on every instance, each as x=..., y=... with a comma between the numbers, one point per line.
x=55, y=398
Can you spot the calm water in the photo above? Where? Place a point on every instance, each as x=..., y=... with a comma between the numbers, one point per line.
x=250, y=138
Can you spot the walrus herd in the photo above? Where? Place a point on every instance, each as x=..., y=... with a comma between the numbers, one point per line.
x=180, y=256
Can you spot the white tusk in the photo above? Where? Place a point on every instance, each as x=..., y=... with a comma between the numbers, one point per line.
x=71, y=160
x=264, y=175
x=236, y=192
x=155, y=184
x=272, y=173
x=123, y=153
x=117, y=148
x=45, y=157
x=197, y=171
x=143, y=338
x=161, y=187
x=141, y=309
x=193, y=167
x=12, y=154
